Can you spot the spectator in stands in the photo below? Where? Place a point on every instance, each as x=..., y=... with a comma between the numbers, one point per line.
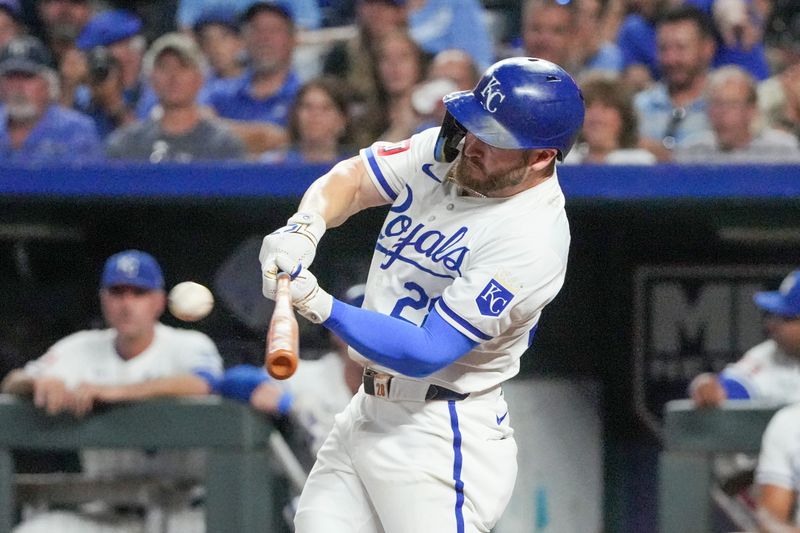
x=135, y=359
x=426, y=101
x=120, y=32
x=676, y=106
x=740, y=30
x=779, y=99
x=770, y=370
x=596, y=54
x=10, y=21
x=258, y=102
x=34, y=129
x=354, y=61
x=457, y=66
x=450, y=70
x=609, y=134
x=637, y=38
x=637, y=42
x=319, y=125
x=438, y=25
x=548, y=29
x=178, y=131
x=218, y=33
x=778, y=473
x=62, y=22
x=306, y=13
x=401, y=65
x=319, y=389
x=735, y=136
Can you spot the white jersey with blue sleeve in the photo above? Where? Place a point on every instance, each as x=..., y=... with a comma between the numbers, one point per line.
x=90, y=357
x=487, y=265
x=766, y=373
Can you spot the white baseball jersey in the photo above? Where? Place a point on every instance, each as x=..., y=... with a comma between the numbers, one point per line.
x=779, y=461
x=89, y=356
x=767, y=373
x=488, y=265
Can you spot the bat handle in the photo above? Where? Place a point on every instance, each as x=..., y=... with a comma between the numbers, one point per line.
x=282, y=339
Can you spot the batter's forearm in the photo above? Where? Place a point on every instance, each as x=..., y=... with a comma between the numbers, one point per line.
x=415, y=351
x=341, y=193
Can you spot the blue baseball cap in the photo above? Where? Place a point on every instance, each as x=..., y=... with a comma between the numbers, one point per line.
x=280, y=7
x=783, y=302
x=25, y=54
x=108, y=28
x=134, y=268
x=220, y=15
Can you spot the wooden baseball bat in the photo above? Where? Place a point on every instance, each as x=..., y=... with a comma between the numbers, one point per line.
x=280, y=357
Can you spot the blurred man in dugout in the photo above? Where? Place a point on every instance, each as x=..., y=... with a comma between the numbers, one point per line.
x=136, y=358
x=770, y=371
x=34, y=128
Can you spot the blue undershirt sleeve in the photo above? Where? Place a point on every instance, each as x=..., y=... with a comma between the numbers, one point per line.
x=734, y=389
x=240, y=381
x=415, y=351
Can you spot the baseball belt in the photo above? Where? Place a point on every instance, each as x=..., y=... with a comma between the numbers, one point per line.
x=397, y=388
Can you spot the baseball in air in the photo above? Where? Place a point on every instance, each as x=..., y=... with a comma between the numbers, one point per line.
x=190, y=301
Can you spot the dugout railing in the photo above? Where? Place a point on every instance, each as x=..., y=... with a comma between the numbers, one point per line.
x=692, y=439
x=240, y=471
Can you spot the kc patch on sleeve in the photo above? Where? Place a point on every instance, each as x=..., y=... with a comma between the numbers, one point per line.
x=493, y=299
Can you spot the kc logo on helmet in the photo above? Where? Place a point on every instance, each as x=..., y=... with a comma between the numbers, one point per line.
x=492, y=96
x=494, y=298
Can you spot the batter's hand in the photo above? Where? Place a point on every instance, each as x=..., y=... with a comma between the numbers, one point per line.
x=296, y=242
x=311, y=301
x=707, y=391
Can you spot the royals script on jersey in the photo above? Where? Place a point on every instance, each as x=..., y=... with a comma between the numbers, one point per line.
x=487, y=265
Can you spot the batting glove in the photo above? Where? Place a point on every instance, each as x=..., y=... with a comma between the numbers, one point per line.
x=296, y=242
x=308, y=298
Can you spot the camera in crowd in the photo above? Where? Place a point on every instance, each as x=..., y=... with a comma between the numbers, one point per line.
x=100, y=62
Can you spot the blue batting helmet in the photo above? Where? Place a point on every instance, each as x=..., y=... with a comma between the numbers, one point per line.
x=519, y=103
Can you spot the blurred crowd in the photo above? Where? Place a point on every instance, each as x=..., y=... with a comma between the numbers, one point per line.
x=689, y=81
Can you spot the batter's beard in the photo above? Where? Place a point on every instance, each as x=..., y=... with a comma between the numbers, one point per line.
x=463, y=173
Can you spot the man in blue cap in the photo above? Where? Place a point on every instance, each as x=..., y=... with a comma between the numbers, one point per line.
x=136, y=358
x=119, y=33
x=34, y=129
x=218, y=34
x=257, y=104
x=770, y=370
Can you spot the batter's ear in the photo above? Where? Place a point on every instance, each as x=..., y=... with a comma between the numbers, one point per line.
x=539, y=160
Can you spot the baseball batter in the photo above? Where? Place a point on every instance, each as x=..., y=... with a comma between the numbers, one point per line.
x=474, y=246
